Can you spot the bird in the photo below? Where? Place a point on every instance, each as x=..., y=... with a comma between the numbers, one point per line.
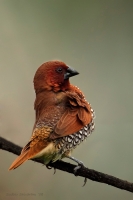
x=63, y=117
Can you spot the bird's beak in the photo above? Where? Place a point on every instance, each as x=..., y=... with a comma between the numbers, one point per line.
x=70, y=72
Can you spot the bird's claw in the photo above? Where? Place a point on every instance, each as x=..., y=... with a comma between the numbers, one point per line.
x=54, y=171
x=80, y=165
x=85, y=181
x=48, y=167
x=76, y=169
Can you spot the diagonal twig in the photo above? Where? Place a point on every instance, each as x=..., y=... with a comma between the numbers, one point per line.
x=67, y=167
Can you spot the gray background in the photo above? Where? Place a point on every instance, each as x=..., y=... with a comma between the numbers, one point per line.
x=95, y=38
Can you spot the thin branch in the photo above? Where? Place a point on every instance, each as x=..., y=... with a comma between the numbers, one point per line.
x=67, y=167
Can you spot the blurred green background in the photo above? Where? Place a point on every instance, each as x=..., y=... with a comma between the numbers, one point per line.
x=95, y=38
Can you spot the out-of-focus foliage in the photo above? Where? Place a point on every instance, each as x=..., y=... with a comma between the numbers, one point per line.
x=95, y=38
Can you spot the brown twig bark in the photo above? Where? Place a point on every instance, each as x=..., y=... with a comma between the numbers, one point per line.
x=67, y=167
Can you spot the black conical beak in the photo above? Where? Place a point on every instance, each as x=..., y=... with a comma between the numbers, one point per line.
x=70, y=72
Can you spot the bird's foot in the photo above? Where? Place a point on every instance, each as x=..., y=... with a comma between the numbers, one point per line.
x=49, y=167
x=80, y=165
x=75, y=170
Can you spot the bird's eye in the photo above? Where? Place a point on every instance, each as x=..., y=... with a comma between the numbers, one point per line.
x=59, y=70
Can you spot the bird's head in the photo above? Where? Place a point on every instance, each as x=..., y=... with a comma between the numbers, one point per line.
x=53, y=75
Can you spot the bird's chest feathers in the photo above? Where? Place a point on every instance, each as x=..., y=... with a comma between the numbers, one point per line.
x=46, y=99
x=50, y=107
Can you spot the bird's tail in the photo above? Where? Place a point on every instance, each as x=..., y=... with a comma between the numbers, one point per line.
x=19, y=160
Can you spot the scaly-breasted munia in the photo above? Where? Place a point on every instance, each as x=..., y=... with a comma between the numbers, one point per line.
x=64, y=118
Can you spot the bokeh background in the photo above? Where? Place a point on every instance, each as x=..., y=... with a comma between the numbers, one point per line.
x=95, y=38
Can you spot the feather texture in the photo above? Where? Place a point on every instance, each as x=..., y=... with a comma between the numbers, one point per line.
x=63, y=117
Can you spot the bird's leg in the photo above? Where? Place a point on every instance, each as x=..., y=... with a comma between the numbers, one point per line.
x=80, y=164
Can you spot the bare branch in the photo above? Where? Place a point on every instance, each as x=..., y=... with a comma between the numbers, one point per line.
x=67, y=167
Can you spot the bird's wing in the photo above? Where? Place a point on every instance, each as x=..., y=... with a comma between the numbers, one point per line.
x=77, y=115
x=37, y=143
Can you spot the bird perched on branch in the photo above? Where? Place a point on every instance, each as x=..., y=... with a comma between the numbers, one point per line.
x=64, y=118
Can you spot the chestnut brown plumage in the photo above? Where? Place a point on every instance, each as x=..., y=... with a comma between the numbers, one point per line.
x=63, y=117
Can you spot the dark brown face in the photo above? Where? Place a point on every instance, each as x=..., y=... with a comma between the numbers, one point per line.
x=53, y=74
x=56, y=73
x=62, y=73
